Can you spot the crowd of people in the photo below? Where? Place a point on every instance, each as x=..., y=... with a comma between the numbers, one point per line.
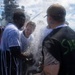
x=56, y=43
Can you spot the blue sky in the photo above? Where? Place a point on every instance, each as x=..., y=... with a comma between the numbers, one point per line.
x=34, y=7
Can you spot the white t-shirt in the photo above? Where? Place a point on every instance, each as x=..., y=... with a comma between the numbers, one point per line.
x=25, y=42
x=10, y=37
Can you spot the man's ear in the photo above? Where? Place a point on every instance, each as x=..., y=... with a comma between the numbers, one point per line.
x=50, y=18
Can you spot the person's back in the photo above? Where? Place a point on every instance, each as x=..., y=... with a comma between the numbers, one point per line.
x=58, y=47
x=63, y=49
x=67, y=40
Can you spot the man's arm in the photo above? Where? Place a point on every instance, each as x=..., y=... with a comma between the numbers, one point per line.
x=51, y=69
x=51, y=65
x=51, y=58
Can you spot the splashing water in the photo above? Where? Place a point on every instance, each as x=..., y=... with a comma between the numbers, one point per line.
x=35, y=49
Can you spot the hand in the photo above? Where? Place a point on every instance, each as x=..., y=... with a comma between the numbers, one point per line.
x=29, y=58
x=30, y=61
x=28, y=55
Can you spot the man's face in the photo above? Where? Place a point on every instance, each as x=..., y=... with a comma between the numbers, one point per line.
x=29, y=30
x=21, y=22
